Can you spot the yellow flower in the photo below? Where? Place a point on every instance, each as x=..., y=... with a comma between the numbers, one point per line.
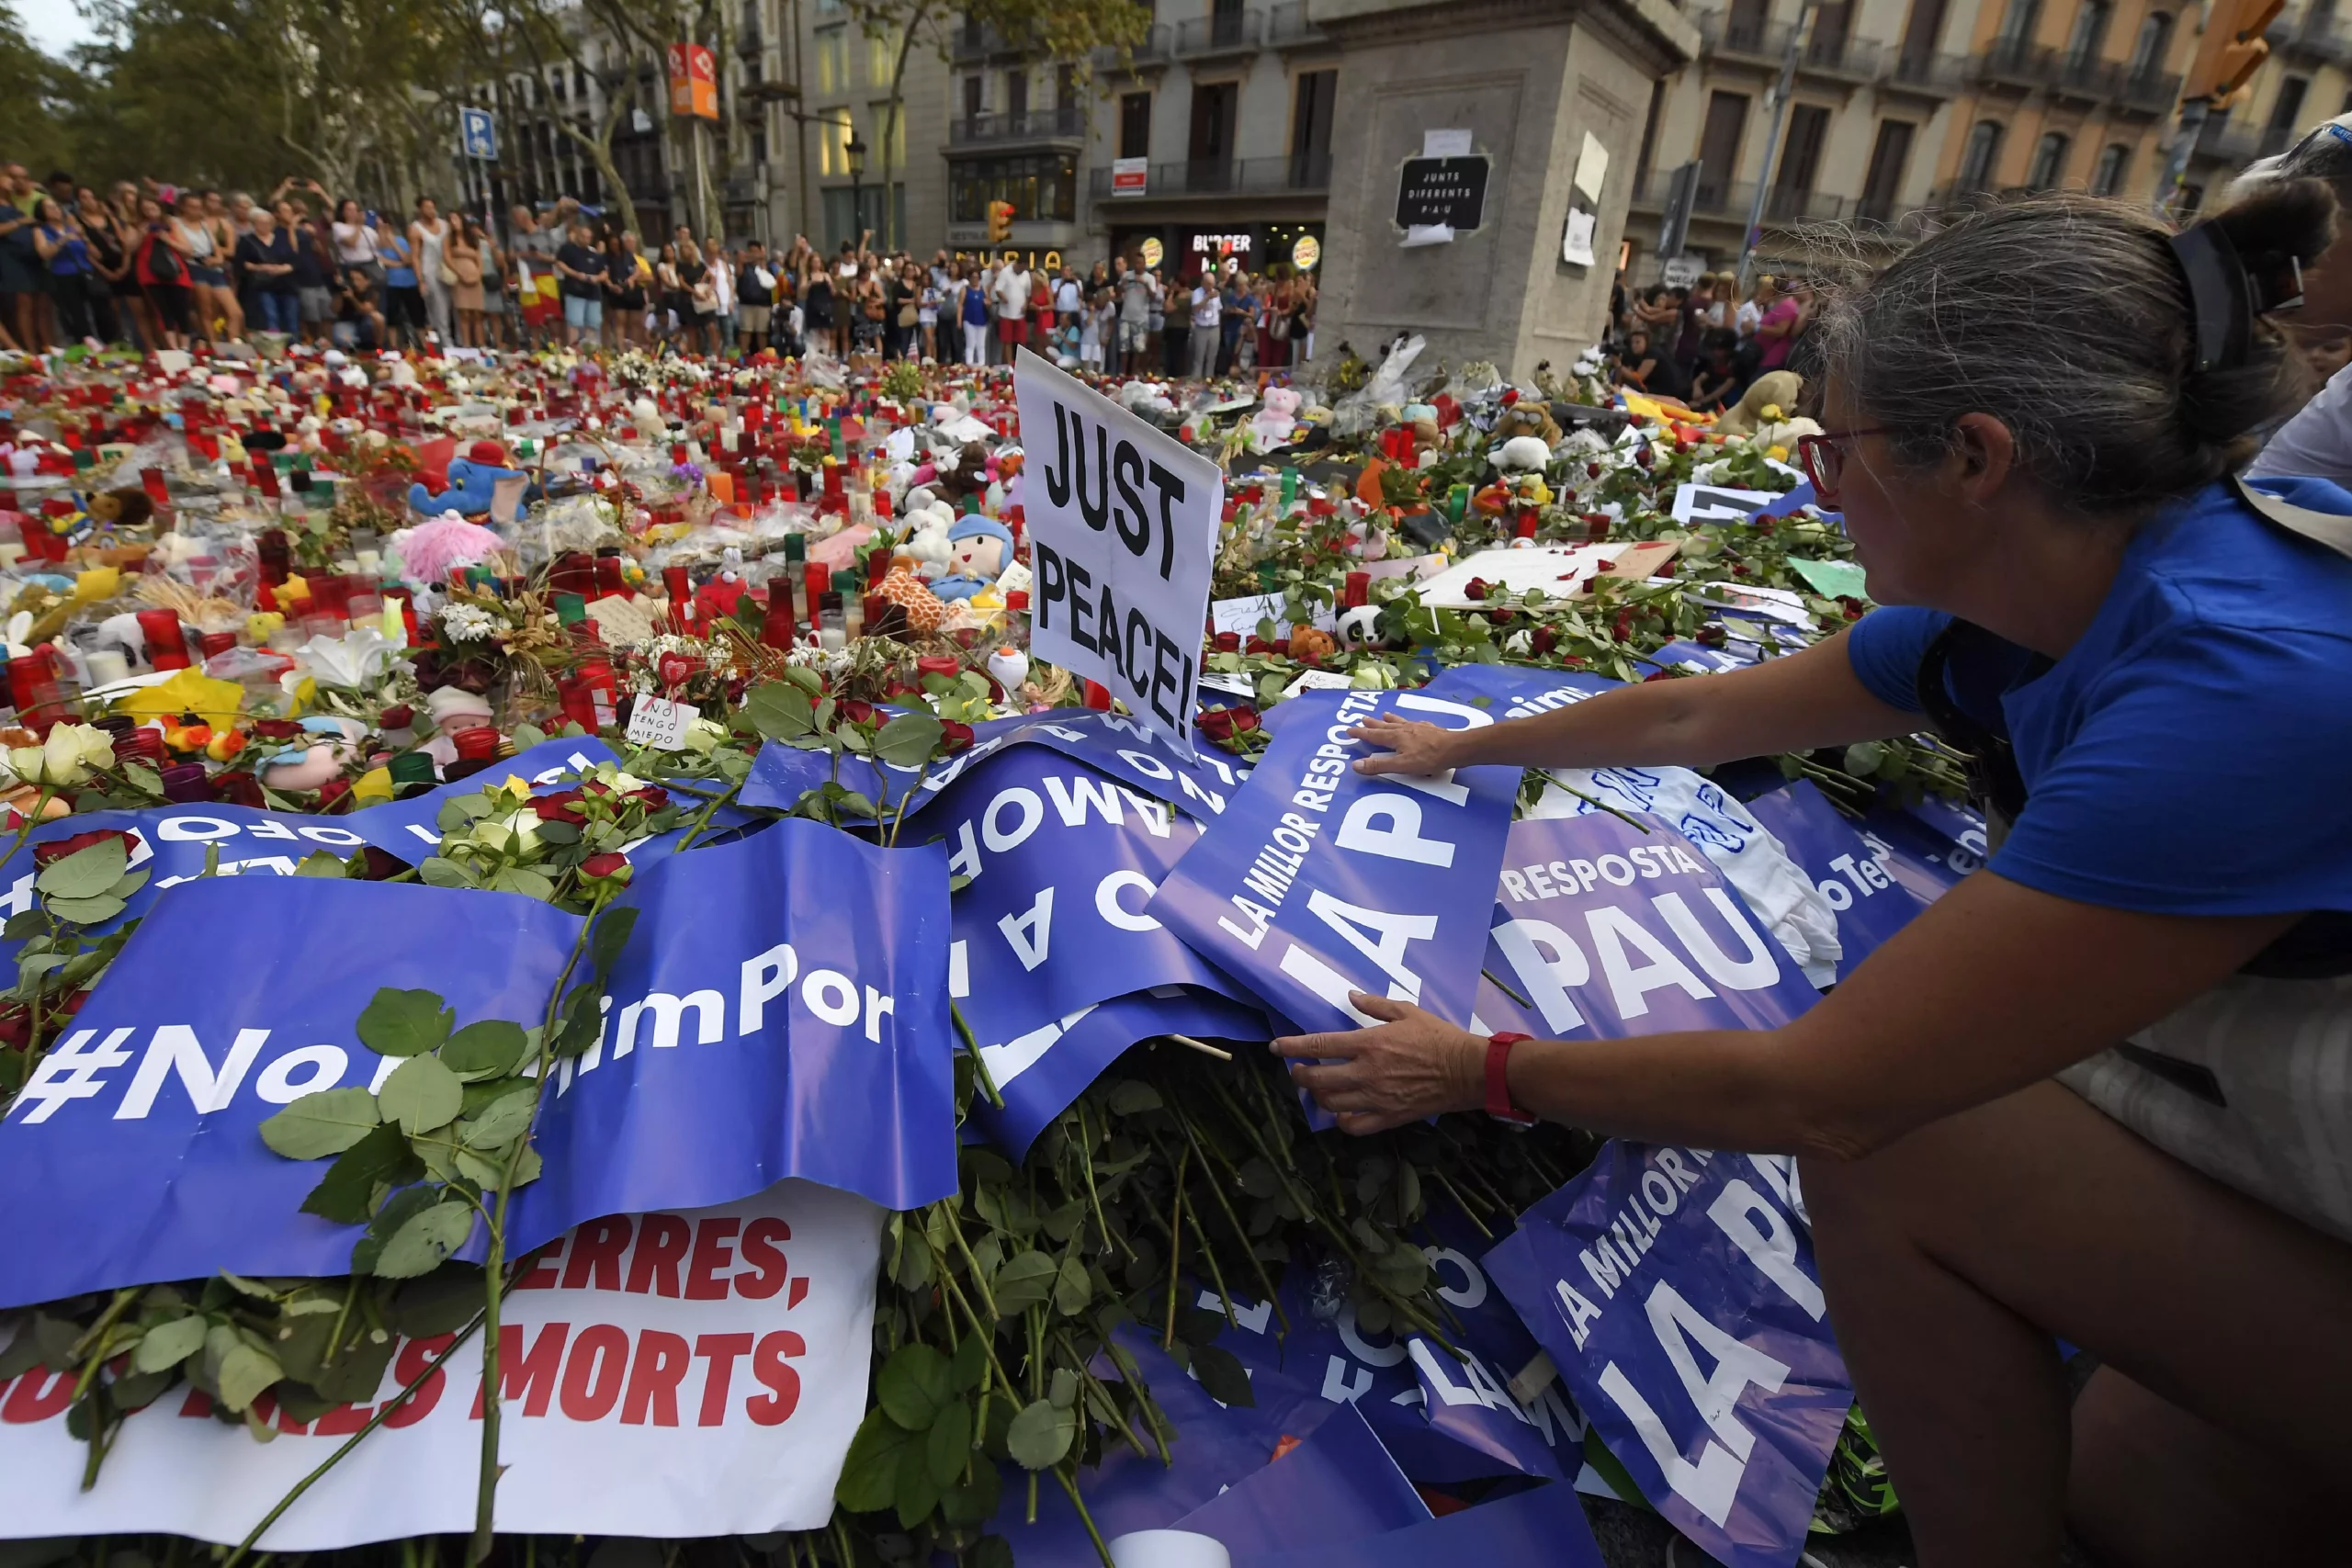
x=1771, y=414
x=1778, y=453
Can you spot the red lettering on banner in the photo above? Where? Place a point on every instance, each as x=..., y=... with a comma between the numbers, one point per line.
x=529, y=1376
x=723, y=1350
x=713, y=1252
x=758, y=1250
x=653, y=1377
x=596, y=1250
x=661, y=1246
x=342, y=1421
x=197, y=1404
x=28, y=1401
x=266, y=1405
x=768, y=1364
x=592, y=1372
x=541, y=1274
x=415, y=1357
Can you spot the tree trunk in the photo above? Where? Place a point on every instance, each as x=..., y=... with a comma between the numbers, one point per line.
x=890, y=123
x=600, y=148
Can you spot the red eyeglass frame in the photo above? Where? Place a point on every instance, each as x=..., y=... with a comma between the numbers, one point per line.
x=1826, y=441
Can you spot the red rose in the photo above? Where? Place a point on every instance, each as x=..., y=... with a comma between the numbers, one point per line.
x=1646, y=456
x=610, y=866
x=1476, y=588
x=58, y=849
x=276, y=728
x=1544, y=639
x=851, y=710
x=400, y=715
x=1224, y=724
x=562, y=806
x=653, y=797
x=954, y=735
x=1592, y=471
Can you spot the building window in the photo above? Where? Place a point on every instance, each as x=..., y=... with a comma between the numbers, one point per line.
x=1888, y=156
x=2288, y=109
x=2048, y=162
x=833, y=148
x=1134, y=125
x=1066, y=92
x=1977, y=158
x=2114, y=165
x=877, y=115
x=2090, y=32
x=1041, y=188
x=1310, y=127
x=1017, y=92
x=2019, y=22
x=2148, y=49
x=881, y=58
x=833, y=59
x=1719, y=147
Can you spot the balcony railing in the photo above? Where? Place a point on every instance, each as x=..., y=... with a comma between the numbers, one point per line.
x=973, y=41
x=2150, y=92
x=1067, y=122
x=1225, y=176
x=1149, y=49
x=1732, y=198
x=1289, y=24
x=2317, y=33
x=2066, y=73
x=1722, y=33
x=1228, y=32
x=1926, y=72
x=2227, y=141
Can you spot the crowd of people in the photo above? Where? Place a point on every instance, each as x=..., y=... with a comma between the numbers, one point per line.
x=157, y=267
x=1703, y=344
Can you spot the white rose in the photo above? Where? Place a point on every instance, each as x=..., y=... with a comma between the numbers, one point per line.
x=65, y=758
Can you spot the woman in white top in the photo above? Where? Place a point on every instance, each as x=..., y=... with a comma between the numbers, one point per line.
x=217, y=310
x=428, y=234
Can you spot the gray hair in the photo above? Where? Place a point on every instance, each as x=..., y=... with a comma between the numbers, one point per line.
x=2067, y=318
x=2324, y=154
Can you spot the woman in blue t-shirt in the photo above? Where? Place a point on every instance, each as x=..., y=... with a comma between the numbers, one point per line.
x=2103, y=1089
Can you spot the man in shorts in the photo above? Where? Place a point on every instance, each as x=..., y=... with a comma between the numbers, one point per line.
x=1011, y=294
x=755, y=298
x=582, y=267
x=1135, y=317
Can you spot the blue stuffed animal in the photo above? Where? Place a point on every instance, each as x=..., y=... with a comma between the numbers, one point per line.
x=471, y=484
x=979, y=548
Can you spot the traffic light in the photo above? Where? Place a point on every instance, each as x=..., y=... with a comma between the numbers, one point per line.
x=1000, y=222
x=2230, y=50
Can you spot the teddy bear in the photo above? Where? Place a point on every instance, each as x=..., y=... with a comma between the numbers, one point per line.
x=1528, y=417
x=481, y=484
x=1277, y=419
x=1774, y=388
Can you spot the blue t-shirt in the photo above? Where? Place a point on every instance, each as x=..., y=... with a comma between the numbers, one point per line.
x=2189, y=755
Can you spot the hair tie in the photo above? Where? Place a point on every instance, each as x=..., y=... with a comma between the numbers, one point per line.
x=2226, y=291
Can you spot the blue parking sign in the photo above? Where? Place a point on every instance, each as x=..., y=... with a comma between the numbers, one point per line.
x=478, y=134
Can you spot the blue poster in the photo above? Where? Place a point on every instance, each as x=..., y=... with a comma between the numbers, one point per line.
x=1337, y=1484
x=1929, y=846
x=1715, y=1382
x=1853, y=872
x=1517, y=691
x=1541, y=1527
x=171, y=843
x=1603, y=927
x=781, y=774
x=777, y=1014
x=1056, y=862
x=1041, y=1072
x=1318, y=880
x=1447, y=1417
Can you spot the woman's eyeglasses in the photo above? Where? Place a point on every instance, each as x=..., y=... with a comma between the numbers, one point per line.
x=1823, y=459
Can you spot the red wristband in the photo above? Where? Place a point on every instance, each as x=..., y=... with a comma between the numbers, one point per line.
x=1499, y=1100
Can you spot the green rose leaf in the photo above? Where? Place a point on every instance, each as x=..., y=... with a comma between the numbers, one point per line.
x=610, y=937
x=912, y=1386
x=968, y=1368
x=1041, y=1435
x=245, y=1374
x=975, y=1504
x=1026, y=1280
x=442, y=1302
x=424, y=1239
x=87, y=872
x=320, y=1125
x=168, y=1344
x=1221, y=1374
x=869, y=1480
x=949, y=1442
x=422, y=1094
x=347, y=1193
x=1073, y=1289
x=87, y=911
x=318, y=863
x=405, y=1023
x=437, y=872
x=908, y=740
x=524, y=880
x=915, y=1493
x=398, y=1210
x=500, y=1123
x=489, y=1049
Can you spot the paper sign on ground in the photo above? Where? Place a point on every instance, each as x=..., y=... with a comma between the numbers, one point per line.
x=665, y=1374
x=1123, y=527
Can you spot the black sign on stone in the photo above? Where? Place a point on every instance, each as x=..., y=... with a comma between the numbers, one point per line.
x=1443, y=190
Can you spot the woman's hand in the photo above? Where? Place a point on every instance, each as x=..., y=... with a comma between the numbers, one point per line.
x=1409, y=1065
x=1407, y=746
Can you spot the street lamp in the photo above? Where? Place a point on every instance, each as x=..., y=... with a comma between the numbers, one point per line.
x=854, y=151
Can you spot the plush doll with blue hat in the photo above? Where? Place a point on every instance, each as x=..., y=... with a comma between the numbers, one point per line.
x=980, y=548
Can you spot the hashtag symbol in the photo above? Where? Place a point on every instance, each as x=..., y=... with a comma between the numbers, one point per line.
x=70, y=1071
